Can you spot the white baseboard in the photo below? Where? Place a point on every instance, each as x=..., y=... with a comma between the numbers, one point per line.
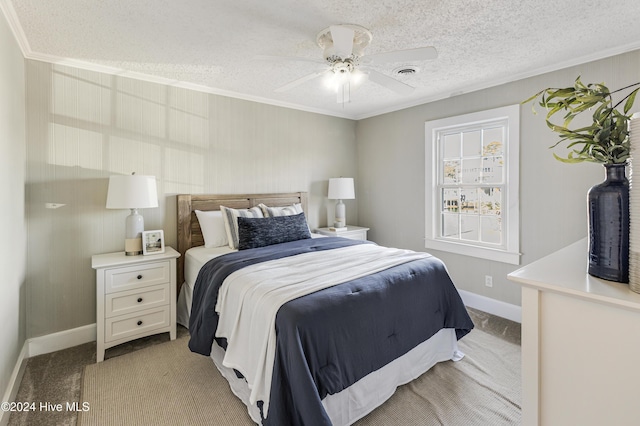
x=61, y=340
x=14, y=382
x=43, y=345
x=492, y=306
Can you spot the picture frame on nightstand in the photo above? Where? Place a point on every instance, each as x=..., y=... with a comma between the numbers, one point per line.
x=153, y=242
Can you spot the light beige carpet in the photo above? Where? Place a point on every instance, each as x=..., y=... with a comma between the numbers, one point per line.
x=483, y=389
x=166, y=384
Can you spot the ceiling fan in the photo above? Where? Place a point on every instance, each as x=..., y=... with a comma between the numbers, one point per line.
x=345, y=62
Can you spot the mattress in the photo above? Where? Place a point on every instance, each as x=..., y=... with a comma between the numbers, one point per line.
x=194, y=258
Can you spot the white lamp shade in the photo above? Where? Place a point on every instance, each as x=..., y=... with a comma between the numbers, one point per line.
x=341, y=189
x=132, y=192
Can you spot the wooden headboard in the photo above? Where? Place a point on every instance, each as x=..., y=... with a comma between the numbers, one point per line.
x=189, y=232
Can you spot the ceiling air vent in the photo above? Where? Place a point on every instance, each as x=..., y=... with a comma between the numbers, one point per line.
x=406, y=70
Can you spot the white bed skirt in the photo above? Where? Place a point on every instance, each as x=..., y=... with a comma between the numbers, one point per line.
x=358, y=400
x=183, y=308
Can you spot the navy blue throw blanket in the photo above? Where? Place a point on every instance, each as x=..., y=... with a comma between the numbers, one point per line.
x=330, y=339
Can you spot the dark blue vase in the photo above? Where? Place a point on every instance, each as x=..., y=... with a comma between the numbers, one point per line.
x=608, y=204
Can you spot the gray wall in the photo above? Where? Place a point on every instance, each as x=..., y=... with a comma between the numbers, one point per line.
x=12, y=218
x=84, y=126
x=391, y=174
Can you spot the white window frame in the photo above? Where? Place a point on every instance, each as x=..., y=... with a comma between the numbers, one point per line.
x=509, y=252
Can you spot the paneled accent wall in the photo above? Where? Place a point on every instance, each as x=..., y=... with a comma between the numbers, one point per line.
x=83, y=126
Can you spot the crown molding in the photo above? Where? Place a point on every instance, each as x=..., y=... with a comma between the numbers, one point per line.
x=16, y=28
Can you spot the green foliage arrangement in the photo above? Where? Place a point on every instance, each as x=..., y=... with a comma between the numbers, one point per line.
x=606, y=140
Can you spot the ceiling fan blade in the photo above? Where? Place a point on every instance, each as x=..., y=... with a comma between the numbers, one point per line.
x=418, y=54
x=287, y=58
x=299, y=81
x=390, y=83
x=342, y=40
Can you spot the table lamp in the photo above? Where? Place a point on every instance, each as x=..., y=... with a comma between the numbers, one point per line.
x=341, y=189
x=132, y=192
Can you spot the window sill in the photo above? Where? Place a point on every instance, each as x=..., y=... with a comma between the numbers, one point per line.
x=496, y=255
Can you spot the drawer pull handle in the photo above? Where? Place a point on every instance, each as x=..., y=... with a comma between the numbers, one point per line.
x=139, y=322
x=139, y=277
x=139, y=299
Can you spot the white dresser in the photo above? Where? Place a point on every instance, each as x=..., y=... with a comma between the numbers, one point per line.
x=352, y=232
x=580, y=344
x=135, y=297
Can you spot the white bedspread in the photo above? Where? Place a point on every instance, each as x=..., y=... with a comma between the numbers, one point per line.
x=250, y=298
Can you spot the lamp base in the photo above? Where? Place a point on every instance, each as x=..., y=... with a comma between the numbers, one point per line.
x=341, y=213
x=134, y=225
x=133, y=246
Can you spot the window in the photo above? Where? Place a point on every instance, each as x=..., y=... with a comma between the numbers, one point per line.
x=472, y=184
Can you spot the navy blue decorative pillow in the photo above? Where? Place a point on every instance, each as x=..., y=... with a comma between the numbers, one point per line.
x=260, y=232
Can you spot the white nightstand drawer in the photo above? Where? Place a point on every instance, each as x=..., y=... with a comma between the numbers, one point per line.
x=129, y=325
x=125, y=302
x=119, y=279
x=352, y=232
x=353, y=235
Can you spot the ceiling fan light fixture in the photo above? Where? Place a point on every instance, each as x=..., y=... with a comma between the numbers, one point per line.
x=335, y=80
x=357, y=78
x=344, y=72
x=343, y=83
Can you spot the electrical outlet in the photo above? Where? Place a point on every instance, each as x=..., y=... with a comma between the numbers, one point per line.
x=488, y=280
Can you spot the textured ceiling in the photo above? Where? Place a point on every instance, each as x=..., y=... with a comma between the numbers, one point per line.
x=214, y=43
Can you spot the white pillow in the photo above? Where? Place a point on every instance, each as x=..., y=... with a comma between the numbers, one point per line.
x=230, y=218
x=213, y=229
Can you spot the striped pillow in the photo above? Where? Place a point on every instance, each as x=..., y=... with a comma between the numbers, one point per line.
x=281, y=211
x=231, y=216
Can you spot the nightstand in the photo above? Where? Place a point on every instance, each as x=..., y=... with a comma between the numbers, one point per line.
x=353, y=232
x=135, y=297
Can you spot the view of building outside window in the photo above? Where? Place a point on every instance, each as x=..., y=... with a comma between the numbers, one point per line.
x=471, y=181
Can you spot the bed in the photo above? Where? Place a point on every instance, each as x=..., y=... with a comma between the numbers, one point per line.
x=328, y=355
